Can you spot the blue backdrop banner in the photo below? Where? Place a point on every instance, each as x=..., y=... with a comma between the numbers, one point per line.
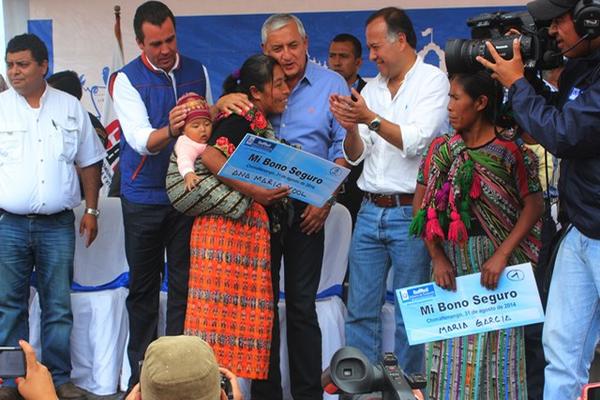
x=43, y=29
x=223, y=42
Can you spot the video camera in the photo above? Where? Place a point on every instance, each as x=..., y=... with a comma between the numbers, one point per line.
x=351, y=373
x=538, y=49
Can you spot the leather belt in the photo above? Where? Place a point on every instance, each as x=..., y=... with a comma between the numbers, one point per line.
x=33, y=216
x=390, y=200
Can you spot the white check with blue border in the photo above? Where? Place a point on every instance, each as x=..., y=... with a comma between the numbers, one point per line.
x=431, y=313
x=272, y=164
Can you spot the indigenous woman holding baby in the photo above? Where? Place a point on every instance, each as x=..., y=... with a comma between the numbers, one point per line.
x=480, y=206
x=230, y=297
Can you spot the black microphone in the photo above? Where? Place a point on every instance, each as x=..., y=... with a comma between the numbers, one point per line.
x=552, y=55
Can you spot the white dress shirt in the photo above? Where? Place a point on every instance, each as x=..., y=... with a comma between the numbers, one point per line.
x=132, y=113
x=420, y=108
x=39, y=148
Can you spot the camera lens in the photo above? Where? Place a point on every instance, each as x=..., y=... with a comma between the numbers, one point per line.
x=457, y=57
x=461, y=53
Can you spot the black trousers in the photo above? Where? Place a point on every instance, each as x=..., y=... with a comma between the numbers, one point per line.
x=303, y=257
x=350, y=195
x=149, y=230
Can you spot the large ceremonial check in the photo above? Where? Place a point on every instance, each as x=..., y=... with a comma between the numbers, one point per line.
x=431, y=313
x=271, y=164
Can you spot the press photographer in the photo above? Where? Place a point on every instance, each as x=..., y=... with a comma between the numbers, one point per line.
x=568, y=126
x=183, y=368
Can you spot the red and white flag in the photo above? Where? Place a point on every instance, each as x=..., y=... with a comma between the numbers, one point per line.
x=109, y=117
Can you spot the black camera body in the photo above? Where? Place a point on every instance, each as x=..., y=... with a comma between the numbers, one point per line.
x=351, y=373
x=12, y=362
x=538, y=49
x=226, y=387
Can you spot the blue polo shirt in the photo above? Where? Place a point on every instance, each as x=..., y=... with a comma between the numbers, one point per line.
x=307, y=120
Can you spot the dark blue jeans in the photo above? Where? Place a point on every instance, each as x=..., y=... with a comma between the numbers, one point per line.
x=48, y=242
x=150, y=232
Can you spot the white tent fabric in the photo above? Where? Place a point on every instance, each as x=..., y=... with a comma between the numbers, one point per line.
x=105, y=259
x=98, y=339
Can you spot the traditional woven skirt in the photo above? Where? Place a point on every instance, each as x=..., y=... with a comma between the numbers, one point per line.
x=483, y=366
x=230, y=302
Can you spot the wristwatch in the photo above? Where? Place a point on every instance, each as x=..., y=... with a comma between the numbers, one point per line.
x=375, y=124
x=331, y=201
x=93, y=211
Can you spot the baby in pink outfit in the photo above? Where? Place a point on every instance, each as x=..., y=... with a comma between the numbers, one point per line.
x=196, y=132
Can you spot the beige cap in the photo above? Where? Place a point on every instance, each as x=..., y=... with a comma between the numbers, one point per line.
x=180, y=368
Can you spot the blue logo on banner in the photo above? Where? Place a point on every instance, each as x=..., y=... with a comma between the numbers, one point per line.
x=419, y=292
x=261, y=144
x=335, y=171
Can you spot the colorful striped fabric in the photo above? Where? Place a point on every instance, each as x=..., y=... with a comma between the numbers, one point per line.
x=487, y=366
x=507, y=172
x=230, y=298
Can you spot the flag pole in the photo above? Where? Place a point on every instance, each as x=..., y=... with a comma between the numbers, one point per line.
x=118, y=35
x=109, y=117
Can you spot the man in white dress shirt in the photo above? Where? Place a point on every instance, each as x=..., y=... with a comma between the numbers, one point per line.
x=44, y=133
x=389, y=126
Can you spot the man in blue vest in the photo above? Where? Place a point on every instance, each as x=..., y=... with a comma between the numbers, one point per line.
x=145, y=92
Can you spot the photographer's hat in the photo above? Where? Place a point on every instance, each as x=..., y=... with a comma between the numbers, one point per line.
x=180, y=368
x=545, y=10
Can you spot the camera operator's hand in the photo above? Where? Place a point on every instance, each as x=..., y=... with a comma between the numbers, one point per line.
x=235, y=385
x=37, y=384
x=504, y=71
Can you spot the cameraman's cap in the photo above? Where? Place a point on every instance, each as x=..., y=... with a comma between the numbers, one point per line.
x=180, y=368
x=546, y=10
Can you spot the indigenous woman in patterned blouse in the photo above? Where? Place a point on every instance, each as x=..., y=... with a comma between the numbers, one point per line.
x=230, y=298
x=481, y=204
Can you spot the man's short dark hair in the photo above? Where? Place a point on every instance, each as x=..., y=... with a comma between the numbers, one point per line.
x=28, y=41
x=397, y=22
x=66, y=81
x=153, y=12
x=346, y=37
